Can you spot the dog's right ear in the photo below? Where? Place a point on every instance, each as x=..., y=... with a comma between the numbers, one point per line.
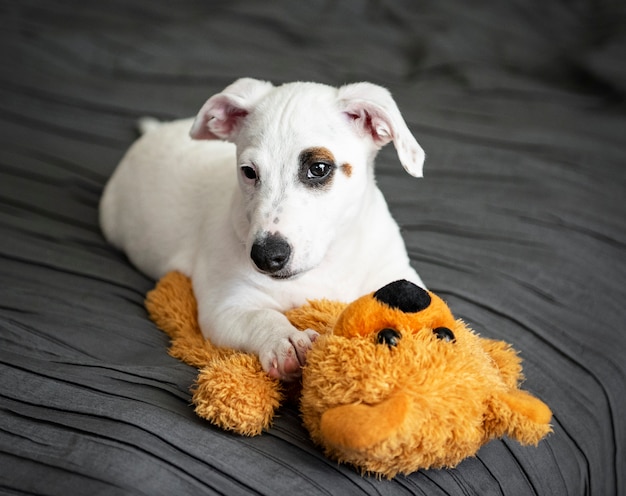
x=222, y=115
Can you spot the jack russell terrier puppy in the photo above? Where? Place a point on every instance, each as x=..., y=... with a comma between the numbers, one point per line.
x=265, y=200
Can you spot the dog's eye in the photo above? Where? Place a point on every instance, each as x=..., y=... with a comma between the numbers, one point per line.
x=249, y=172
x=318, y=170
x=444, y=334
x=317, y=166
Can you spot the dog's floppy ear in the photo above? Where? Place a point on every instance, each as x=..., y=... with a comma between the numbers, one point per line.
x=221, y=116
x=376, y=114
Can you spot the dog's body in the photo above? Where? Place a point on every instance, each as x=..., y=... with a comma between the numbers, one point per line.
x=290, y=213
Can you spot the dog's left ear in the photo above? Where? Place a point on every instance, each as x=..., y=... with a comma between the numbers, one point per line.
x=376, y=114
x=222, y=114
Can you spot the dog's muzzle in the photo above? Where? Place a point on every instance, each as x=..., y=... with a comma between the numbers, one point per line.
x=271, y=253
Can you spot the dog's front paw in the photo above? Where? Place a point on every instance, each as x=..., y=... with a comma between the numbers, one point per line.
x=283, y=358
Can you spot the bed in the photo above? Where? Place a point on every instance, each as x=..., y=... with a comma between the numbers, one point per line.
x=519, y=223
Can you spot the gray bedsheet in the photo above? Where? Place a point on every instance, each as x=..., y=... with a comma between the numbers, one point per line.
x=519, y=223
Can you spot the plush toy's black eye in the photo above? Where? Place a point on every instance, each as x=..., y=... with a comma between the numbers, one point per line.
x=390, y=337
x=444, y=333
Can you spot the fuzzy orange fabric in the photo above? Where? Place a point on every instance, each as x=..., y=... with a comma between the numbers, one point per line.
x=425, y=402
x=429, y=398
x=367, y=314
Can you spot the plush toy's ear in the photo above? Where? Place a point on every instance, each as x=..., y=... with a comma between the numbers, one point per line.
x=222, y=115
x=519, y=415
x=376, y=115
x=506, y=359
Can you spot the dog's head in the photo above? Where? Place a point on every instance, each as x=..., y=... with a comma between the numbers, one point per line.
x=305, y=156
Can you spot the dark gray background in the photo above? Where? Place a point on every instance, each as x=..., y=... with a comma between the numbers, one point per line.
x=518, y=224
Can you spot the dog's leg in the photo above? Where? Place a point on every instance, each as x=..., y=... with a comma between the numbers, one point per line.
x=283, y=350
x=267, y=333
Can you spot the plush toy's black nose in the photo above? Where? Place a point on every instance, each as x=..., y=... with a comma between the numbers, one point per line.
x=270, y=253
x=404, y=295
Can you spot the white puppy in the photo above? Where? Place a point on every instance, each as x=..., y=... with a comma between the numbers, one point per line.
x=290, y=212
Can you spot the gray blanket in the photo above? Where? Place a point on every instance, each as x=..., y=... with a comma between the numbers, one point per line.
x=519, y=224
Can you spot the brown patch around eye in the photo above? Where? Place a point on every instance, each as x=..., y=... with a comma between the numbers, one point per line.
x=317, y=154
x=346, y=169
x=317, y=167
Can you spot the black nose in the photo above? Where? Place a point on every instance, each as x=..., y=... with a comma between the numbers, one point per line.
x=270, y=253
x=404, y=295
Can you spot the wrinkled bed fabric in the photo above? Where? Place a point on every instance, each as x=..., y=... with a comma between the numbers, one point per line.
x=519, y=223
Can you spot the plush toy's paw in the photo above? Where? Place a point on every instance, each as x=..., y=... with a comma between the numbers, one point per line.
x=284, y=357
x=236, y=394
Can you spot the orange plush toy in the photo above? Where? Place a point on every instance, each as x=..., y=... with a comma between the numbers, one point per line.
x=394, y=384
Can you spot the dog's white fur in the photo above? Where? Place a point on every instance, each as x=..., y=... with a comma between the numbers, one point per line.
x=180, y=202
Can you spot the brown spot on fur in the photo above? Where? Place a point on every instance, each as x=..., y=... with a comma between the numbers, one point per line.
x=346, y=169
x=318, y=154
